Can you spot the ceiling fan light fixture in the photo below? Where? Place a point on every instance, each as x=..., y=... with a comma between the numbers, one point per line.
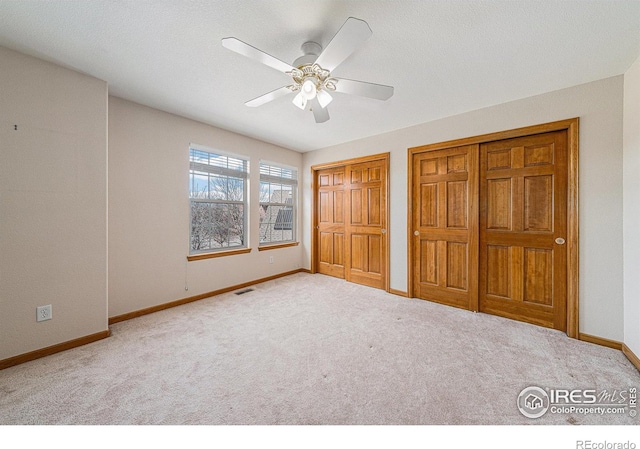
x=309, y=89
x=300, y=100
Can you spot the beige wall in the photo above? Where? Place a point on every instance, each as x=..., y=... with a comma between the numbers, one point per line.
x=599, y=106
x=632, y=207
x=53, y=202
x=149, y=210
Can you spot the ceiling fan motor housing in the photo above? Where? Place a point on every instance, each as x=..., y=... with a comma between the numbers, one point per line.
x=311, y=50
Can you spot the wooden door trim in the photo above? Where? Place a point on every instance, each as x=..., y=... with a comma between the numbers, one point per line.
x=573, y=247
x=357, y=160
x=561, y=125
x=314, y=217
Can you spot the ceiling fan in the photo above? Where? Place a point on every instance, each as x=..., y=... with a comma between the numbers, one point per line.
x=311, y=73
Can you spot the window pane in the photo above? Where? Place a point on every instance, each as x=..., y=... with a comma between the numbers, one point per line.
x=200, y=226
x=279, y=193
x=287, y=193
x=219, y=225
x=218, y=187
x=224, y=231
x=264, y=192
x=236, y=224
x=273, y=188
x=199, y=185
x=235, y=190
x=284, y=219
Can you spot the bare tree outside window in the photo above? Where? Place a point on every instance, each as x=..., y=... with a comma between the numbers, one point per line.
x=217, y=193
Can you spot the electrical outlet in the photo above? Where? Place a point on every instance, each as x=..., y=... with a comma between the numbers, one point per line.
x=270, y=259
x=44, y=313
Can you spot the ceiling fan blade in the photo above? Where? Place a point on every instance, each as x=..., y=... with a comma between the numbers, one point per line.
x=319, y=113
x=266, y=98
x=251, y=52
x=371, y=90
x=349, y=37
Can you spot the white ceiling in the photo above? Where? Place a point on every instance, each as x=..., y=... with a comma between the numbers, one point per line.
x=443, y=57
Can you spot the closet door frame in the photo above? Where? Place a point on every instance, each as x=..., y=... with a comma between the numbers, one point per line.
x=572, y=128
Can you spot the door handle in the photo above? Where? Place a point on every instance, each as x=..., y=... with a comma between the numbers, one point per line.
x=416, y=232
x=384, y=231
x=560, y=241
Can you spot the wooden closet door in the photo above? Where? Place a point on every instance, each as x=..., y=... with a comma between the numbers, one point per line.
x=331, y=221
x=445, y=226
x=366, y=224
x=523, y=228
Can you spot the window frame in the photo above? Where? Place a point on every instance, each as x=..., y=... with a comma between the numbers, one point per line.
x=281, y=180
x=225, y=172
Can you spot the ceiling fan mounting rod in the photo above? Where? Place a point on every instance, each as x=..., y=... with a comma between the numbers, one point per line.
x=311, y=48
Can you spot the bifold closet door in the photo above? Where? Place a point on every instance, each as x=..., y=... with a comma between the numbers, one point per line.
x=331, y=221
x=366, y=224
x=351, y=221
x=445, y=226
x=523, y=228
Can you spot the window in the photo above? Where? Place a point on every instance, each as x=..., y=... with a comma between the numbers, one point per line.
x=278, y=200
x=217, y=192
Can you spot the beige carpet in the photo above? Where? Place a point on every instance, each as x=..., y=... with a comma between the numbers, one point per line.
x=310, y=349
